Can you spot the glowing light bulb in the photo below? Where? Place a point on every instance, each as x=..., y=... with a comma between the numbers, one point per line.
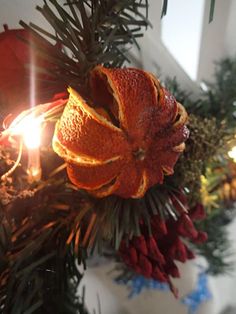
x=29, y=127
x=232, y=153
x=31, y=132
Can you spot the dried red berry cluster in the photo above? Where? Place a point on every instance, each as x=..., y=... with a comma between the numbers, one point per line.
x=153, y=255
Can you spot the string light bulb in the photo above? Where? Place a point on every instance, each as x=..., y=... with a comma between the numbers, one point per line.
x=28, y=127
x=232, y=153
x=31, y=132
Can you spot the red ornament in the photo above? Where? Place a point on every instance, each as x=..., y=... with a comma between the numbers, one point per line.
x=17, y=58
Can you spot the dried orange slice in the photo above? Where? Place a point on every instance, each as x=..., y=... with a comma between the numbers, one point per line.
x=126, y=138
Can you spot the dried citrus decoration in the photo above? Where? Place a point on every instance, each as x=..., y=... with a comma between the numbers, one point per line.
x=126, y=138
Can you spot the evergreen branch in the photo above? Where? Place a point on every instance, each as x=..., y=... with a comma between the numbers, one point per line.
x=212, y=9
x=217, y=249
x=218, y=101
x=209, y=130
x=121, y=218
x=164, y=8
x=38, y=266
x=93, y=32
x=66, y=218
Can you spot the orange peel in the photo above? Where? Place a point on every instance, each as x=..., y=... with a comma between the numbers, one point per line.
x=126, y=138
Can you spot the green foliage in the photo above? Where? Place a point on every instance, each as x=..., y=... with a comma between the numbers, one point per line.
x=211, y=13
x=206, y=141
x=46, y=228
x=121, y=217
x=217, y=249
x=181, y=95
x=38, y=255
x=164, y=8
x=220, y=99
x=212, y=125
x=89, y=33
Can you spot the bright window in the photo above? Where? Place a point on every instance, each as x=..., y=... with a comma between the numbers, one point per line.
x=181, y=32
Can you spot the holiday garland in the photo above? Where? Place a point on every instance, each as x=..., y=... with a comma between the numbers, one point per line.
x=208, y=169
x=50, y=226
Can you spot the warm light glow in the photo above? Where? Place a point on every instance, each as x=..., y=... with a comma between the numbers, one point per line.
x=32, y=133
x=29, y=128
x=232, y=153
x=34, y=173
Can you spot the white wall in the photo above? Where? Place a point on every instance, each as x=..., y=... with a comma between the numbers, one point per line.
x=213, y=44
x=155, y=57
x=11, y=11
x=217, y=40
x=181, y=33
x=230, y=40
